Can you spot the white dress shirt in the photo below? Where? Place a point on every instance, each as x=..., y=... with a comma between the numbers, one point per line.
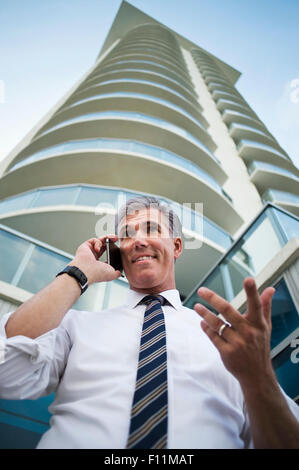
x=91, y=361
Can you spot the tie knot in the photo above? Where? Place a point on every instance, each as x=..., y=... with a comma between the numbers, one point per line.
x=154, y=298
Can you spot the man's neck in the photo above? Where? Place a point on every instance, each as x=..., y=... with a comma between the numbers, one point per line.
x=152, y=290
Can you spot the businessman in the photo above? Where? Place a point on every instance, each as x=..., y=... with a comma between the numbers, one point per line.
x=150, y=373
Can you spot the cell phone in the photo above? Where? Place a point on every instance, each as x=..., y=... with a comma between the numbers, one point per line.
x=113, y=255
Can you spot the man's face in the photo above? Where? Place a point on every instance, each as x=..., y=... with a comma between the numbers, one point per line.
x=148, y=251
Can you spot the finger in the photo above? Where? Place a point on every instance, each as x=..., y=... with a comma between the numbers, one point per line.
x=214, y=322
x=254, y=305
x=214, y=337
x=112, y=237
x=99, y=244
x=266, y=299
x=98, y=247
x=103, y=244
x=114, y=275
x=94, y=246
x=222, y=306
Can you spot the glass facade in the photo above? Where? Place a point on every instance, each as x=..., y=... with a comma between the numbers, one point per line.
x=249, y=254
x=22, y=422
x=285, y=323
x=30, y=265
x=285, y=318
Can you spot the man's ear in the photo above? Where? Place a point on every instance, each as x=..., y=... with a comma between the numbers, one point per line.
x=178, y=247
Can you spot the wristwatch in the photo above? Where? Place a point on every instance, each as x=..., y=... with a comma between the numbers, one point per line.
x=78, y=275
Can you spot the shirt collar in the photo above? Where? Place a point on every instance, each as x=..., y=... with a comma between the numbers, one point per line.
x=172, y=295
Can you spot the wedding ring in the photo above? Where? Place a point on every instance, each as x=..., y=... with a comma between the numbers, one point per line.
x=222, y=327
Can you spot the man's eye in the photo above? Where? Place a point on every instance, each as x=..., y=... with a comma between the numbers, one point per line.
x=123, y=234
x=152, y=228
x=127, y=232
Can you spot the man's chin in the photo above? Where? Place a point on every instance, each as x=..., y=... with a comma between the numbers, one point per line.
x=144, y=280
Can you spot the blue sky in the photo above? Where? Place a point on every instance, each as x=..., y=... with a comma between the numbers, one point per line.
x=47, y=45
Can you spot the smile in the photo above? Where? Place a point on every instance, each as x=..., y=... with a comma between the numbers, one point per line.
x=143, y=258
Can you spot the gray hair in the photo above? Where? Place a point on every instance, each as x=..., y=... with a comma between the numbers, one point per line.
x=150, y=202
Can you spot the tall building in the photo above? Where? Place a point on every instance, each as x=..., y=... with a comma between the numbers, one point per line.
x=157, y=115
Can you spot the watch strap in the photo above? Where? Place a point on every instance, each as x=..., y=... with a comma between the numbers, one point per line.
x=77, y=274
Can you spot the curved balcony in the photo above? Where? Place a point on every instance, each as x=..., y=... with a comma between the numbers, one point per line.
x=169, y=65
x=129, y=146
x=64, y=208
x=125, y=125
x=126, y=114
x=100, y=198
x=145, y=65
x=210, y=74
x=148, y=45
x=132, y=102
x=124, y=50
x=138, y=86
x=118, y=168
x=213, y=86
x=209, y=77
x=154, y=35
x=197, y=118
x=135, y=81
x=153, y=43
x=143, y=74
x=231, y=117
x=163, y=53
x=250, y=150
x=224, y=105
x=206, y=67
x=240, y=132
x=286, y=200
x=265, y=175
x=228, y=95
x=138, y=71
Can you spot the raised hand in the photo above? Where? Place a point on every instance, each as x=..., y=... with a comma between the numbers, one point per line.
x=87, y=259
x=244, y=341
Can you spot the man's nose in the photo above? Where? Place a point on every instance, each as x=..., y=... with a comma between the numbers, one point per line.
x=140, y=238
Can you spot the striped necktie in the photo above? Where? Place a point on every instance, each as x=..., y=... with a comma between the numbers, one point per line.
x=148, y=428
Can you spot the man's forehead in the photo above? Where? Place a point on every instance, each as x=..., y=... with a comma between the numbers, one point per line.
x=145, y=214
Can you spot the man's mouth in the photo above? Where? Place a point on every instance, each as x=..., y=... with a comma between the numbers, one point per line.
x=139, y=259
